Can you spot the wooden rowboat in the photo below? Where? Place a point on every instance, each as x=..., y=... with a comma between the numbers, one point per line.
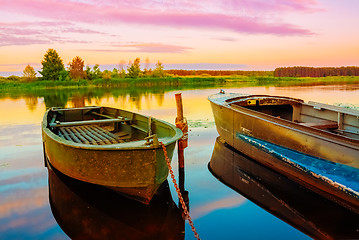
x=111, y=147
x=319, y=130
x=299, y=140
x=313, y=214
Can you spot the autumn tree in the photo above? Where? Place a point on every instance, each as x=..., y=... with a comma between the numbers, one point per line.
x=76, y=68
x=158, y=71
x=52, y=65
x=29, y=74
x=106, y=74
x=121, y=64
x=134, y=69
x=147, y=71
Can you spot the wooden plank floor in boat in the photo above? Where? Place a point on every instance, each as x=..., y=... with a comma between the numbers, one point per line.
x=90, y=134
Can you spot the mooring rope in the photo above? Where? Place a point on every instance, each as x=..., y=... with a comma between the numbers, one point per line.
x=184, y=207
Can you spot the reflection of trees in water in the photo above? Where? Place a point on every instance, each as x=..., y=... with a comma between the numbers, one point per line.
x=31, y=102
x=92, y=96
x=56, y=99
x=78, y=100
x=160, y=97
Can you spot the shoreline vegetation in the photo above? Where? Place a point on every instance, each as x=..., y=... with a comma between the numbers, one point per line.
x=55, y=76
x=172, y=81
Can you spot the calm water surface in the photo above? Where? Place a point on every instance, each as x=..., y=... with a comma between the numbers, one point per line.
x=39, y=204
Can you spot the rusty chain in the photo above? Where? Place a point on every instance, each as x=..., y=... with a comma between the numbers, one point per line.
x=183, y=204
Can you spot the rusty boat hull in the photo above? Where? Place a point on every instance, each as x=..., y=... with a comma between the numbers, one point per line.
x=111, y=147
x=278, y=131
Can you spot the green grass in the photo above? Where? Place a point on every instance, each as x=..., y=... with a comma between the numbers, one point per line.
x=193, y=81
x=59, y=93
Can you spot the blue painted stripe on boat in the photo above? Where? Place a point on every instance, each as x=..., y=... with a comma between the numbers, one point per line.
x=346, y=176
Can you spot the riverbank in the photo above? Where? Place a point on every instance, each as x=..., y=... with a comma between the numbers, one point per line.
x=189, y=81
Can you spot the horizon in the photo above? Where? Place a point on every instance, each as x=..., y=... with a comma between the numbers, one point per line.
x=202, y=35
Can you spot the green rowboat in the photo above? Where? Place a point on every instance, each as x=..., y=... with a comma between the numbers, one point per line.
x=111, y=147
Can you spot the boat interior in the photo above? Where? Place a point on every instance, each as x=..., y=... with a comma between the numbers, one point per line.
x=338, y=120
x=101, y=125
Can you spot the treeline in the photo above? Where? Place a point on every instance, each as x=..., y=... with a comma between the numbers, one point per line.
x=53, y=69
x=316, y=72
x=180, y=72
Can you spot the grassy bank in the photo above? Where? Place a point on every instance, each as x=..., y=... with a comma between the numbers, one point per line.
x=176, y=81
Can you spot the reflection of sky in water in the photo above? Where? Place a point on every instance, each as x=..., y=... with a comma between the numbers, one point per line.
x=24, y=207
x=33, y=183
x=218, y=212
x=246, y=221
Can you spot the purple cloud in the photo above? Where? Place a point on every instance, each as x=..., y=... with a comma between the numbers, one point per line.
x=28, y=33
x=170, y=14
x=269, y=6
x=9, y=40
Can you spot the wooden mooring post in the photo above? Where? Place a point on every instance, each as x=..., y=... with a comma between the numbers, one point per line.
x=181, y=123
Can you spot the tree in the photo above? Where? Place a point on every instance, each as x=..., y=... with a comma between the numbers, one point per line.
x=134, y=69
x=64, y=75
x=122, y=63
x=76, y=68
x=52, y=65
x=115, y=73
x=89, y=74
x=158, y=72
x=96, y=71
x=13, y=78
x=106, y=74
x=29, y=74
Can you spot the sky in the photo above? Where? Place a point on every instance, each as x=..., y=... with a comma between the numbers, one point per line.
x=181, y=34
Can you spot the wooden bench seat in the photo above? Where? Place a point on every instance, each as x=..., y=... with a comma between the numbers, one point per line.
x=90, y=134
x=87, y=122
x=325, y=124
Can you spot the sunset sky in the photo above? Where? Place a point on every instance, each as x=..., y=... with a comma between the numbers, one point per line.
x=186, y=34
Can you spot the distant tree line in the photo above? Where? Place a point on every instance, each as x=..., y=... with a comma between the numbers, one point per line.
x=53, y=69
x=316, y=72
x=180, y=72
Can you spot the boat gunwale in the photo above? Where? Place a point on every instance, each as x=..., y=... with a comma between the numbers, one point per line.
x=317, y=133
x=134, y=145
x=303, y=169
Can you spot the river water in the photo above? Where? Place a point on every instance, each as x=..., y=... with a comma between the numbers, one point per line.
x=37, y=203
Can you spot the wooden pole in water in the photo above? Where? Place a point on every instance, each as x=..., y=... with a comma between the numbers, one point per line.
x=181, y=123
x=179, y=107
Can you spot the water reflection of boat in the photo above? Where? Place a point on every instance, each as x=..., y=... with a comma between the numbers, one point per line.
x=316, y=145
x=87, y=211
x=300, y=207
x=110, y=147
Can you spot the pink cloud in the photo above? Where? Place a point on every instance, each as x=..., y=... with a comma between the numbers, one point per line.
x=9, y=40
x=155, y=48
x=167, y=14
x=270, y=6
x=28, y=33
x=219, y=5
x=143, y=47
